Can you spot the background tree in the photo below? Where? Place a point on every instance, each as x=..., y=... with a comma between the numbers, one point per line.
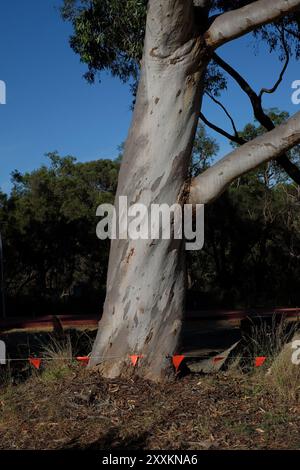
x=52, y=256
x=241, y=262
x=204, y=150
x=240, y=265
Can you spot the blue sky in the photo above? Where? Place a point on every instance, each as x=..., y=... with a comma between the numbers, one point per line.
x=51, y=107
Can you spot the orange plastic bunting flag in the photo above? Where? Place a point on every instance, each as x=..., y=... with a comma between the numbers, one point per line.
x=35, y=362
x=83, y=359
x=218, y=359
x=177, y=360
x=134, y=359
x=259, y=361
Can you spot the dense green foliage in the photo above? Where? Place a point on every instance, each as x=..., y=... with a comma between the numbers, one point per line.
x=108, y=35
x=52, y=255
x=55, y=263
x=251, y=255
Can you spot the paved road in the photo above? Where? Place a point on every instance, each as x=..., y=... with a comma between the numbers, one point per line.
x=204, y=332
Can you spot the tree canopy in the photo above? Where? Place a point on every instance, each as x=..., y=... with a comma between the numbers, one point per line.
x=109, y=36
x=48, y=224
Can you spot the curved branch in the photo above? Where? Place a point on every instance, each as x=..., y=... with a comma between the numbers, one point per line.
x=274, y=88
x=212, y=182
x=292, y=33
x=283, y=160
x=289, y=167
x=225, y=111
x=236, y=23
x=285, y=66
x=237, y=77
x=234, y=138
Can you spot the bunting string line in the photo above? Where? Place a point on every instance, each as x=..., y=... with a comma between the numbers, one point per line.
x=104, y=358
x=177, y=360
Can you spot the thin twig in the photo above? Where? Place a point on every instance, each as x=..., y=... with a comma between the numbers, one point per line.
x=225, y=111
x=287, y=61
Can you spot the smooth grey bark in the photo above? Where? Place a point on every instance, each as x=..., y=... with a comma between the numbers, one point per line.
x=146, y=279
x=238, y=22
x=212, y=183
x=144, y=305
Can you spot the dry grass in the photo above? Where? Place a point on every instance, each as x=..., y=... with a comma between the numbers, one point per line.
x=65, y=406
x=81, y=410
x=284, y=376
x=279, y=375
x=58, y=357
x=57, y=351
x=269, y=338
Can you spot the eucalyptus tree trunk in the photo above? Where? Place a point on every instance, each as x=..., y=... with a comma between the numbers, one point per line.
x=144, y=306
x=146, y=278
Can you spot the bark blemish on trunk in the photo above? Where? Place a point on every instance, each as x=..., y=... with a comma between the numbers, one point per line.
x=152, y=52
x=126, y=309
x=130, y=254
x=156, y=183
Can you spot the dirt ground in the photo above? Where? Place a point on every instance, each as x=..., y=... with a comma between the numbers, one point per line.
x=76, y=409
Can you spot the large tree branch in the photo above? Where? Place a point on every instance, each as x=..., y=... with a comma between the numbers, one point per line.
x=283, y=161
x=213, y=182
x=256, y=100
x=236, y=23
